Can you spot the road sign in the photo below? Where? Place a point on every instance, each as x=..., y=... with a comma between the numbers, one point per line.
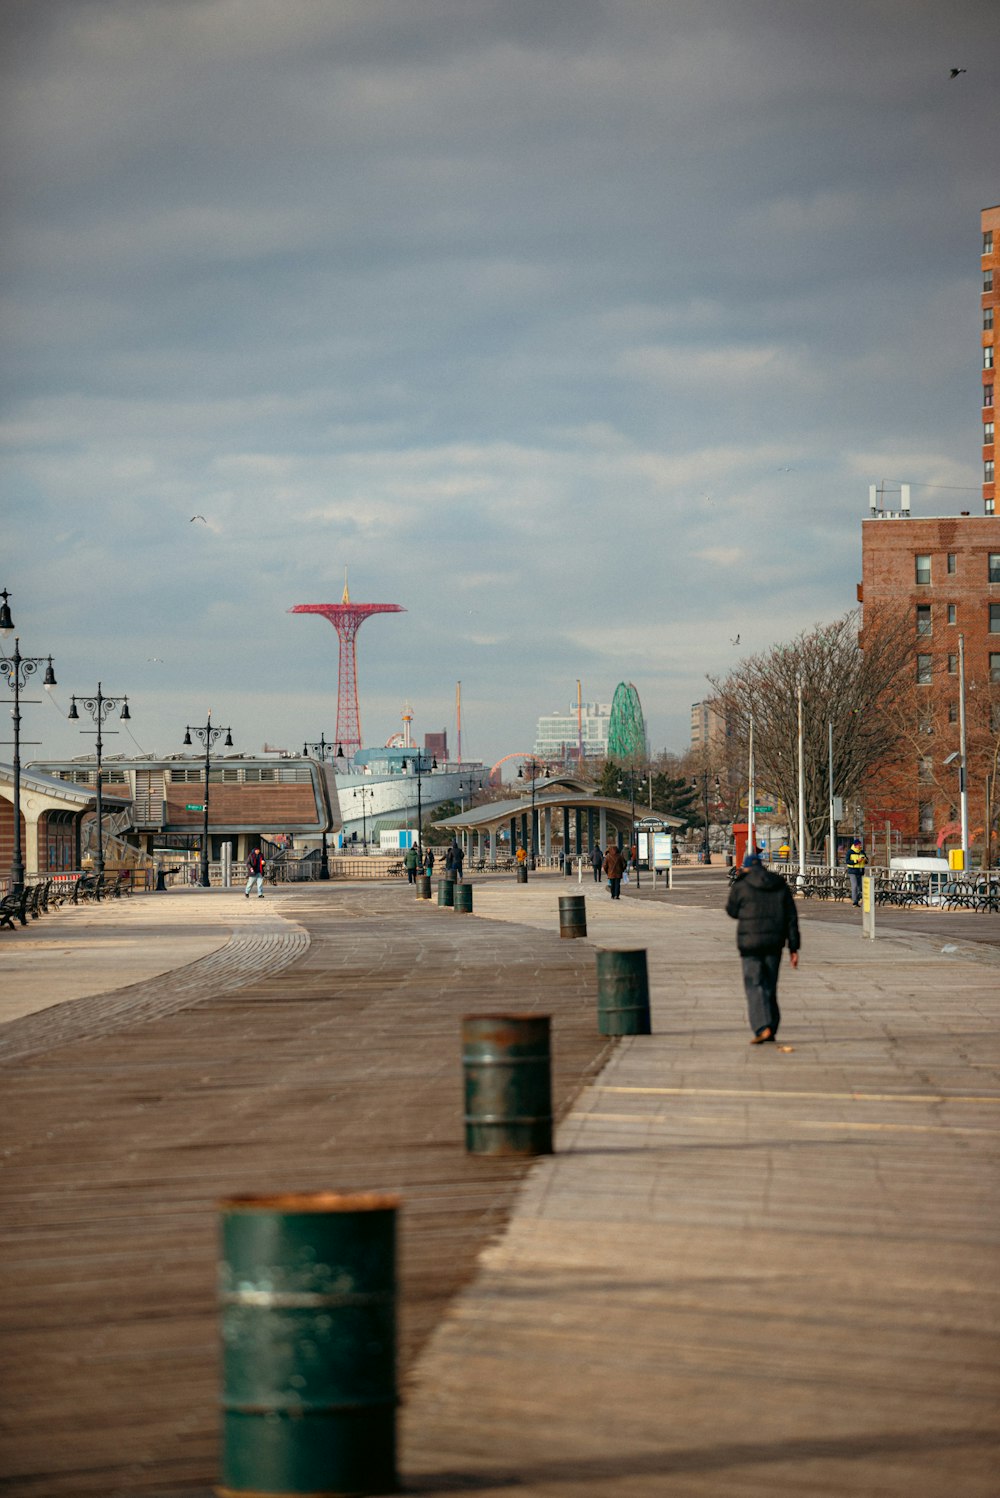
x=192, y=806
x=759, y=809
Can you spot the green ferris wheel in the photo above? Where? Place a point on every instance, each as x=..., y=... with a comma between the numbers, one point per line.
x=627, y=729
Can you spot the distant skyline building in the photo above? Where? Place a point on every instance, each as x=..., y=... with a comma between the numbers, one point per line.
x=990, y=219
x=558, y=735
x=708, y=727
x=436, y=745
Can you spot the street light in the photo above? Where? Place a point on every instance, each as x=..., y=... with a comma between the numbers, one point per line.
x=207, y=734
x=18, y=670
x=364, y=791
x=419, y=772
x=533, y=765
x=319, y=748
x=621, y=787
x=100, y=708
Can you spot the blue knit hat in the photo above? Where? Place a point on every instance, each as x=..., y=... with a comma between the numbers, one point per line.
x=752, y=860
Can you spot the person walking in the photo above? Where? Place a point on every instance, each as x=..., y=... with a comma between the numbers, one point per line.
x=255, y=870
x=614, y=867
x=411, y=862
x=457, y=854
x=857, y=861
x=761, y=902
x=597, y=859
x=429, y=862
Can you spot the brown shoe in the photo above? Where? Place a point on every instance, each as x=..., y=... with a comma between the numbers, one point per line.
x=763, y=1036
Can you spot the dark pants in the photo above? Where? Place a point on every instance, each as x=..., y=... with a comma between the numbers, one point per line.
x=411, y=876
x=616, y=889
x=760, y=980
x=597, y=873
x=854, y=875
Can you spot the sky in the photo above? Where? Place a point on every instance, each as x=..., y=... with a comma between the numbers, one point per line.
x=577, y=328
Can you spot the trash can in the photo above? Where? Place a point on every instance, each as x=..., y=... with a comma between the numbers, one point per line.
x=462, y=899
x=522, y=873
x=307, y=1285
x=507, y=1068
x=446, y=893
x=572, y=915
x=623, y=993
x=423, y=882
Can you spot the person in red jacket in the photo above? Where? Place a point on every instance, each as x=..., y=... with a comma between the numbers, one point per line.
x=762, y=904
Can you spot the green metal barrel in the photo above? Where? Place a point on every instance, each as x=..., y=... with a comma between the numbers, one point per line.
x=522, y=873
x=572, y=915
x=446, y=893
x=463, y=898
x=308, y=1304
x=506, y=1059
x=623, y=993
x=423, y=882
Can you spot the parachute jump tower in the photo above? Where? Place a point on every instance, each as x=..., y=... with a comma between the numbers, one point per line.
x=347, y=618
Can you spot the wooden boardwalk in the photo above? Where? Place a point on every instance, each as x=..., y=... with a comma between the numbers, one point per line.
x=126, y=1118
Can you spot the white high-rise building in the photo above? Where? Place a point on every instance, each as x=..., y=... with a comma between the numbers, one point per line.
x=558, y=734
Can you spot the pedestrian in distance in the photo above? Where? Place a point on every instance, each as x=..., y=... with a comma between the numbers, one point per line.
x=255, y=870
x=411, y=862
x=761, y=902
x=429, y=861
x=857, y=861
x=457, y=855
x=597, y=859
x=614, y=867
x=522, y=854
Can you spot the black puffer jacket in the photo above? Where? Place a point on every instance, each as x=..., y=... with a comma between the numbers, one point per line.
x=762, y=904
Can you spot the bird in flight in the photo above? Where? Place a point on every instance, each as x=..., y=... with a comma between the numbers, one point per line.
x=955, y=72
x=736, y=641
x=157, y=658
x=198, y=517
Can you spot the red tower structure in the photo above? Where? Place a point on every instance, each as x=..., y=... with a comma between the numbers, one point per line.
x=347, y=618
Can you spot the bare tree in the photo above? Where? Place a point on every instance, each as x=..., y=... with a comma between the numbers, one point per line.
x=840, y=684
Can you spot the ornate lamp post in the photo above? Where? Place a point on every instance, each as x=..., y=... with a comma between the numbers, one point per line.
x=419, y=771
x=100, y=708
x=364, y=791
x=621, y=787
x=19, y=669
x=319, y=748
x=207, y=734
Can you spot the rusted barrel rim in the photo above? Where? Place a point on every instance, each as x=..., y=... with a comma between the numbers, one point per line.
x=621, y=951
x=314, y=1201
x=506, y=1015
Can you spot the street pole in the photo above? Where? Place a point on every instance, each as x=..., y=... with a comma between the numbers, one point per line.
x=321, y=746
x=207, y=734
x=833, y=822
x=963, y=777
x=801, y=794
x=99, y=707
x=751, y=808
x=18, y=670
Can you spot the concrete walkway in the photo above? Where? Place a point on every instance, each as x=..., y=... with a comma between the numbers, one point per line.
x=746, y=1271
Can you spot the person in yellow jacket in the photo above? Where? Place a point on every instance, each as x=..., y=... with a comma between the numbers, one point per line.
x=857, y=861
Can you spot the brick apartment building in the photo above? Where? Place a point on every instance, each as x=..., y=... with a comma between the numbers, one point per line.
x=945, y=571
x=991, y=295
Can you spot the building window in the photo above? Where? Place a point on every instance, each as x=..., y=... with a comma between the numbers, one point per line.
x=994, y=567
x=988, y=471
x=995, y=618
x=987, y=319
x=952, y=712
x=923, y=569
x=995, y=665
x=925, y=770
x=924, y=626
x=987, y=433
x=987, y=395
x=988, y=356
x=924, y=668
x=259, y=774
x=953, y=665
x=952, y=614
x=987, y=241
x=186, y=776
x=927, y=817
x=925, y=722
x=987, y=280
x=952, y=564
